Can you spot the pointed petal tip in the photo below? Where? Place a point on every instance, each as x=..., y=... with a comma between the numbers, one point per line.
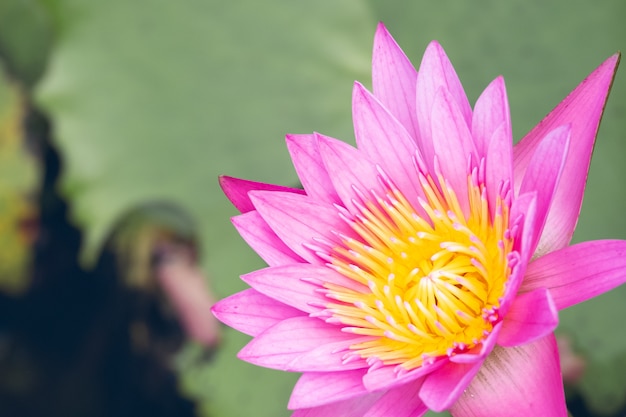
x=224, y=180
x=358, y=89
x=381, y=29
x=434, y=44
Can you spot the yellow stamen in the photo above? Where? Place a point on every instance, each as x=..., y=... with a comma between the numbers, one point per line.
x=432, y=285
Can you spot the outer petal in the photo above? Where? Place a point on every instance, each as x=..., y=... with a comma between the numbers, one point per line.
x=516, y=382
x=583, y=109
x=298, y=285
x=490, y=112
x=237, y=190
x=256, y=232
x=442, y=388
x=355, y=407
x=435, y=72
x=532, y=316
x=288, y=285
x=305, y=154
x=299, y=221
x=285, y=344
x=385, y=141
x=318, y=388
x=393, y=80
x=390, y=376
x=251, y=312
x=579, y=272
x=402, y=401
x=542, y=176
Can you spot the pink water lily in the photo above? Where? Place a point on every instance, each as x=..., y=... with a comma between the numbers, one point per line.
x=424, y=269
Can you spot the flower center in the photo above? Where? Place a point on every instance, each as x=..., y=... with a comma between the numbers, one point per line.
x=427, y=282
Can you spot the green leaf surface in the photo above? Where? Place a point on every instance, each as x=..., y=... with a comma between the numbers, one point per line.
x=25, y=38
x=154, y=100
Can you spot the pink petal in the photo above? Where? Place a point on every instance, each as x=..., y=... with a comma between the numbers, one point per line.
x=350, y=171
x=236, y=189
x=515, y=280
x=490, y=113
x=579, y=272
x=452, y=143
x=301, y=344
x=499, y=164
x=260, y=237
x=442, y=388
x=582, y=108
x=385, y=142
x=318, y=388
x=293, y=285
x=251, y=312
x=522, y=216
x=516, y=382
x=300, y=221
x=393, y=80
x=435, y=72
x=532, y=316
x=402, y=401
x=390, y=376
x=305, y=154
x=542, y=176
x=354, y=407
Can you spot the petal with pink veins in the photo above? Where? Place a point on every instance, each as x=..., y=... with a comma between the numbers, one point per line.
x=237, y=189
x=354, y=407
x=582, y=108
x=436, y=72
x=300, y=221
x=390, y=376
x=282, y=346
x=350, y=171
x=260, y=237
x=297, y=285
x=385, y=141
x=318, y=388
x=402, y=401
x=442, y=388
x=499, y=165
x=251, y=312
x=490, y=113
x=532, y=316
x=452, y=144
x=579, y=272
x=542, y=176
x=393, y=80
x=305, y=155
x=519, y=381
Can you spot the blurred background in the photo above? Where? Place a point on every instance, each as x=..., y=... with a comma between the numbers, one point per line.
x=116, y=117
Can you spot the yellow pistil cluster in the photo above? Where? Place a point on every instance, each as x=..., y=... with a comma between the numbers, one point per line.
x=429, y=284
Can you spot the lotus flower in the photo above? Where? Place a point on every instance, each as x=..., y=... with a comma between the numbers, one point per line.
x=425, y=268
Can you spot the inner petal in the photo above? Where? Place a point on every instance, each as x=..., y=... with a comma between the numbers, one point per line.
x=431, y=285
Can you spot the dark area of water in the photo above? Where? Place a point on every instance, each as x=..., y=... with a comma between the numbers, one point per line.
x=68, y=347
